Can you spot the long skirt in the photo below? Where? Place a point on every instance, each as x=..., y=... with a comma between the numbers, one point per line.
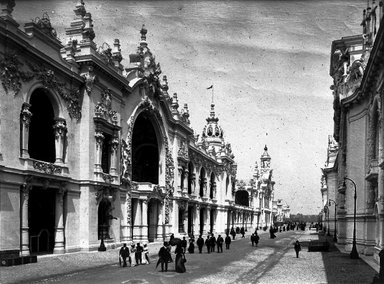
x=179, y=263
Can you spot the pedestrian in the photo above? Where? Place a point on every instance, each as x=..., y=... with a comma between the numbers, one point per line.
x=227, y=241
x=139, y=250
x=133, y=251
x=212, y=243
x=253, y=239
x=146, y=254
x=164, y=257
x=124, y=254
x=208, y=244
x=257, y=238
x=220, y=242
x=297, y=248
x=180, y=259
x=272, y=233
x=242, y=232
x=184, y=244
x=233, y=233
x=200, y=243
x=191, y=248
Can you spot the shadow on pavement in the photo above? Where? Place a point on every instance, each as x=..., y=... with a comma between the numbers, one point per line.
x=340, y=268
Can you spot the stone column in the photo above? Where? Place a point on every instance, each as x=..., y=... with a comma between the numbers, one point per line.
x=25, y=120
x=99, y=150
x=185, y=183
x=179, y=178
x=59, y=216
x=208, y=220
x=137, y=219
x=60, y=128
x=144, y=219
x=126, y=217
x=24, y=196
x=114, y=147
x=159, y=230
x=196, y=223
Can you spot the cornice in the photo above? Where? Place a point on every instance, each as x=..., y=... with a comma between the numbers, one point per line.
x=23, y=43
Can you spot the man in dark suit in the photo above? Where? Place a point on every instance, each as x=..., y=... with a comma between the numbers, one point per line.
x=212, y=244
x=184, y=244
x=227, y=241
x=200, y=243
x=208, y=244
x=124, y=253
x=164, y=257
x=220, y=242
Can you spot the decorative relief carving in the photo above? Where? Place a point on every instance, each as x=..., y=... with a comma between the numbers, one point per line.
x=126, y=165
x=44, y=24
x=89, y=79
x=183, y=151
x=25, y=114
x=104, y=110
x=47, y=168
x=99, y=140
x=169, y=177
x=70, y=96
x=105, y=192
x=11, y=75
x=60, y=128
x=107, y=178
x=106, y=52
x=129, y=207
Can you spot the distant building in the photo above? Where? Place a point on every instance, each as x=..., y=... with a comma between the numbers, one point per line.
x=357, y=72
x=283, y=212
x=258, y=192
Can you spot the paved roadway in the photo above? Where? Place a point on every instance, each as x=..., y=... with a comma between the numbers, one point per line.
x=273, y=261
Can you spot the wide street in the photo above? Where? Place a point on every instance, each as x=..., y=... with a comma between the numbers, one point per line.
x=273, y=261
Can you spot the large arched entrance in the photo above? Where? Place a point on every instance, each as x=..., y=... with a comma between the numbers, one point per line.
x=145, y=151
x=153, y=220
x=104, y=218
x=41, y=220
x=41, y=143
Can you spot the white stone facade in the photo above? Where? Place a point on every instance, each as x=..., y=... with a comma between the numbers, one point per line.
x=91, y=150
x=355, y=158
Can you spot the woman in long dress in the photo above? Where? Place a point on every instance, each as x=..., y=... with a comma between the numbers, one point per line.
x=180, y=259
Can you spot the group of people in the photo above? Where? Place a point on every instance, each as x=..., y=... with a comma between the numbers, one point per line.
x=141, y=254
x=211, y=242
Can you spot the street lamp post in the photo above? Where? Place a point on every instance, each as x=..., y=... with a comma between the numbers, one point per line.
x=354, y=254
x=334, y=233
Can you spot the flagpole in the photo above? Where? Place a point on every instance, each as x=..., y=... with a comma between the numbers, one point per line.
x=212, y=94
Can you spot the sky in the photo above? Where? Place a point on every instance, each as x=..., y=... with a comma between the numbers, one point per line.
x=267, y=60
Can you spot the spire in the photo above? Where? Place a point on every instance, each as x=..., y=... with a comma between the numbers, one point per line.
x=265, y=156
x=143, y=33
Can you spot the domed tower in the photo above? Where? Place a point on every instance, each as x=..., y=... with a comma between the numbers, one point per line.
x=265, y=159
x=213, y=135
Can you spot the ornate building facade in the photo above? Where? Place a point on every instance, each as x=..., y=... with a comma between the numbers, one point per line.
x=91, y=150
x=357, y=152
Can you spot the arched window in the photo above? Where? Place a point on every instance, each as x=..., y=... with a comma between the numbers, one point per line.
x=145, y=151
x=202, y=181
x=212, y=185
x=41, y=144
x=242, y=198
x=190, y=177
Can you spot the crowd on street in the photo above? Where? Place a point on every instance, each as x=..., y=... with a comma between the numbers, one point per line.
x=211, y=242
